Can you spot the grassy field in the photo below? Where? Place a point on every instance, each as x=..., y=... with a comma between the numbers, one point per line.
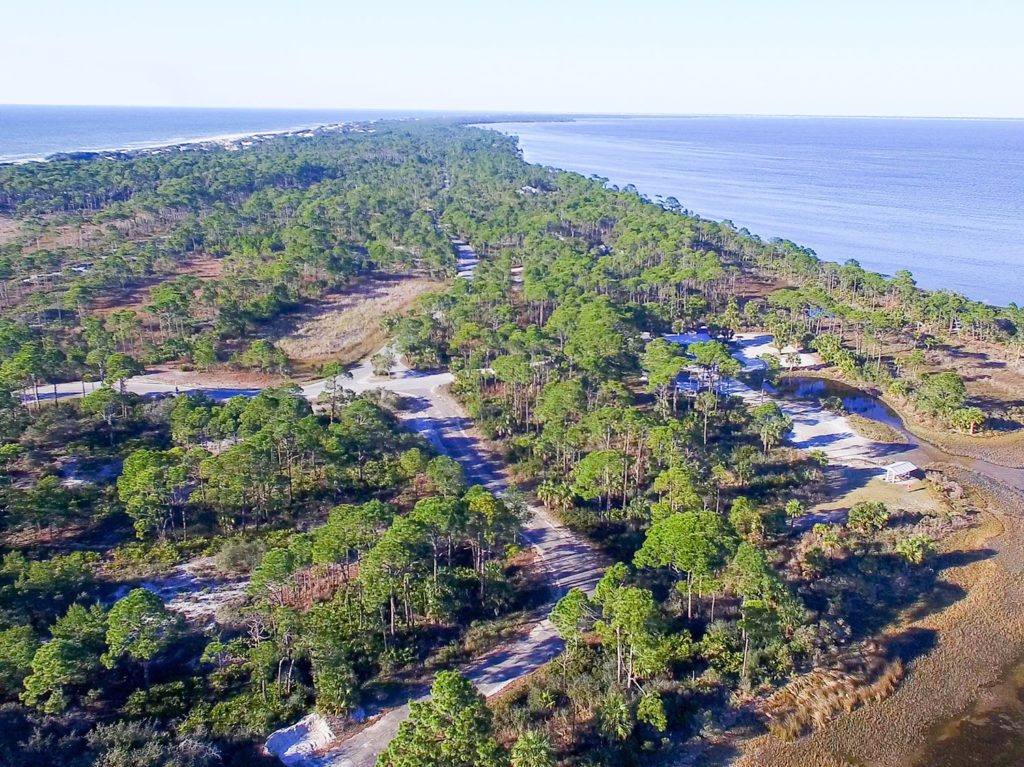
x=347, y=326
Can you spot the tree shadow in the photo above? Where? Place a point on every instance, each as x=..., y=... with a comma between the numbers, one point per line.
x=950, y=559
x=942, y=595
x=872, y=590
x=910, y=644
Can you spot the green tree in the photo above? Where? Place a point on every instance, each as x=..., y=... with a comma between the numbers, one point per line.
x=597, y=344
x=691, y=543
x=140, y=627
x=942, y=392
x=442, y=521
x=663, y=361
x=120, y=367
x=447, y=476
x=772, y=424
x=204, y=353
x=571, y=616
x=150, y=486
x=629, y=625
x=714, y=358
x=336, y=685
x=85, y=626
x=746, y=519
x=600, y=475
x=767, y=608
x=46, y=505
x=18, y=645
x=706, y=403
x=56, y=666
x=451, y=729
x=678, y=488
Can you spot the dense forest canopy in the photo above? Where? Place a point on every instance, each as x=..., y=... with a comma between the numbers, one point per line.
x=362, y=559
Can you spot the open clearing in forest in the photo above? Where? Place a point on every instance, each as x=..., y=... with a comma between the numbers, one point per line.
x=9, y=230
x=136, y=295
x=346, y=326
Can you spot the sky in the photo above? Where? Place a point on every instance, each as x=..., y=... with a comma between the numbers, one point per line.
x=822, y=57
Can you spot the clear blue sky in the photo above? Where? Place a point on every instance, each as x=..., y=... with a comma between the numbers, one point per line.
x=898, y=57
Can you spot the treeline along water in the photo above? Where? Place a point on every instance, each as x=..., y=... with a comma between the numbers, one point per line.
x=942, y=198
x=35, y=132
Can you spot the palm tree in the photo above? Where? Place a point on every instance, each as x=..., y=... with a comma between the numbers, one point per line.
x=533, y=749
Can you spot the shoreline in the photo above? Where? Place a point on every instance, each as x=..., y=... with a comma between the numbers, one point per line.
x=977, y=642
x=224, y=140
x=672, y=163
x=1004, y=450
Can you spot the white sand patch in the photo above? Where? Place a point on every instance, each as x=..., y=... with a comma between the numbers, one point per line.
x=750, y=346
x=300, y=741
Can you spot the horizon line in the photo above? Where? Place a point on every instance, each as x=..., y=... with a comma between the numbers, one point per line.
x=520, y=112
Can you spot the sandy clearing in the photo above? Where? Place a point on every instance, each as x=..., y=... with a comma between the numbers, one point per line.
x=750, y=346
x=817, y=429
x=346, y=326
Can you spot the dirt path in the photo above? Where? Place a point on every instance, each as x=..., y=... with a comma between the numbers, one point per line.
x=567, y=559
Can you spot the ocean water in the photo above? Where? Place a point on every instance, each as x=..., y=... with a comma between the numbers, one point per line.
x=35, y=132
x=941, y=198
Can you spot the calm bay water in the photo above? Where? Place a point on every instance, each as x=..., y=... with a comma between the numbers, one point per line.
x=942, y=198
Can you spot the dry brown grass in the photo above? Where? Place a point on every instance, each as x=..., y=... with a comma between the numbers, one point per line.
x=9, y=230
x=974, y=639
x=875, y=430
x=347, y=326
x=812, y=700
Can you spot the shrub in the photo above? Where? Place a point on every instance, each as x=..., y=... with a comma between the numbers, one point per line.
x=239, y=556
x=867, y=516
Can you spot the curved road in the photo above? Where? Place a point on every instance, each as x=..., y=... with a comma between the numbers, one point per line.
x=568, y=561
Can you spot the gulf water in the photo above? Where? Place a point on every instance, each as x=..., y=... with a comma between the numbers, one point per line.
x=35, y=132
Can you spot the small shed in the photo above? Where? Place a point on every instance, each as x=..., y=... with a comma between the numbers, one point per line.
x=901, y=471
